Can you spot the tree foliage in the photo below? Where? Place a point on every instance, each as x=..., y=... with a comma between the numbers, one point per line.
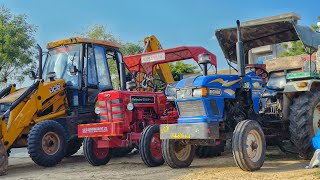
x=182, y=68
x=296, y=48
x=16, y=45
x=99, y=32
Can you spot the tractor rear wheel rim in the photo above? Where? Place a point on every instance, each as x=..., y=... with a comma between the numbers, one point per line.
x=182, y=150
x=316, y=119
x=254, y=145
x=155, y=146
x=100, y=153
x=50, y=143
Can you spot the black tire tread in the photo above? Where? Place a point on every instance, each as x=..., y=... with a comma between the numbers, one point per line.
x=144, y=146
x=35, y=146
x=88, y=154
x=238, y=150
x=301, y=113
x=71, y=150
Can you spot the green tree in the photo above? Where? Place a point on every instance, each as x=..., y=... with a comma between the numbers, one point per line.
x=16, y=45
x=296, y=48
x=100, y=32
x=182, y=68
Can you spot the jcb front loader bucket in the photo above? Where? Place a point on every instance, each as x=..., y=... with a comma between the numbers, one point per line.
x=3, y=160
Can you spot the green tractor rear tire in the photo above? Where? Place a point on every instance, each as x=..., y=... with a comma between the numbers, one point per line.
x=304, y=122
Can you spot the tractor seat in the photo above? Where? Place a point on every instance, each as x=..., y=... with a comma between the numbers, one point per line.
x=276, y=82
x=170, y=91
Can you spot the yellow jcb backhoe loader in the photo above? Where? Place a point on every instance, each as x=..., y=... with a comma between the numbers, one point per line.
x=44, y=116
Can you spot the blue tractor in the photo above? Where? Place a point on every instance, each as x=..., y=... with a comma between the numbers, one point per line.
x=215, y=108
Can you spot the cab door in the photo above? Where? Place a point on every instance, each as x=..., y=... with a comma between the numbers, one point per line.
x=97, y=73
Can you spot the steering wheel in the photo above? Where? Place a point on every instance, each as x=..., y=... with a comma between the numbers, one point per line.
x=157, y=86
x=263, y=73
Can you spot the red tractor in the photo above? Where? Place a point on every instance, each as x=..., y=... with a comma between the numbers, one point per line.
x=131, y=118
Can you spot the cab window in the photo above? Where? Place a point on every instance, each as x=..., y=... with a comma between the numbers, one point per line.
x=102, y=68
x=113, y=67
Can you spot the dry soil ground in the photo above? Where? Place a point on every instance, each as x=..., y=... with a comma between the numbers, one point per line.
x=277, y=166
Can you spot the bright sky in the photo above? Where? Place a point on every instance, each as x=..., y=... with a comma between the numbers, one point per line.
x=174, y=22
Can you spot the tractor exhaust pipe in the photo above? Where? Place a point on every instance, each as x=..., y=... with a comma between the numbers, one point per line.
x=123, y=85
x=40, y=61
x=240, y=53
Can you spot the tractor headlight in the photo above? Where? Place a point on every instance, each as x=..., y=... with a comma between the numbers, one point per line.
x=199, y=92
x=97, y=110
x=130, y=106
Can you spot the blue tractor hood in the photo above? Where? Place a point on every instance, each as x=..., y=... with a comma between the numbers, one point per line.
x=212, y=81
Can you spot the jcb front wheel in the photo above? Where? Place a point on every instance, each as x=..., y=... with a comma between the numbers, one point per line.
x=248, y=145
x=46, y=143
x=150, y=146
x=177, y=153
x=94, y=155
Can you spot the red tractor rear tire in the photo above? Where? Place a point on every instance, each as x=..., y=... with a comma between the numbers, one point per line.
x=94, y=155
x=150, y=146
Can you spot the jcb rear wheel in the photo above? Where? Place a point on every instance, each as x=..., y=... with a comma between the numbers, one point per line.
x=150, y=146
x=94, y=155
x=177, y=153
x=46, y=143
x=248, y=145
x=73, y=146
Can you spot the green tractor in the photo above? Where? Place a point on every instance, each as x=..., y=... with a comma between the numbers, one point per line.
x=290, y=103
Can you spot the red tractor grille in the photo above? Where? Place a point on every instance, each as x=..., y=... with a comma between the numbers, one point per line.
x=114, y=110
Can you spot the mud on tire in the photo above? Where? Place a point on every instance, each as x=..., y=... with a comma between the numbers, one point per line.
x=302, y=112
x=46, y=143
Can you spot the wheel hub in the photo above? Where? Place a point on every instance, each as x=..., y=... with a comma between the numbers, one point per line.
x=100, y=153
x=50, y=143
x=155, y=146
x=254, y=145
x=182, y=150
